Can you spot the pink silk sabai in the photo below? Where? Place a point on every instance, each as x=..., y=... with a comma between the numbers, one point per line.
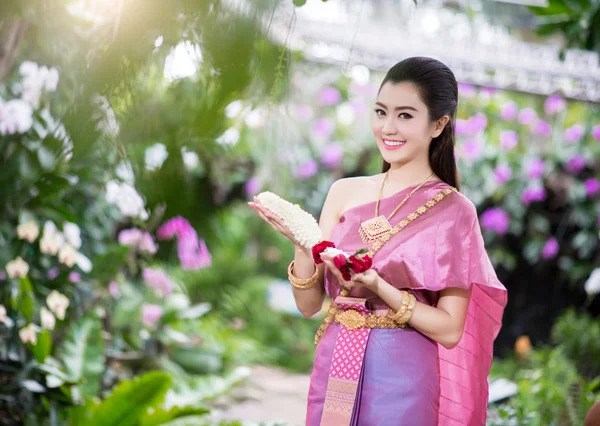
x=441, y=249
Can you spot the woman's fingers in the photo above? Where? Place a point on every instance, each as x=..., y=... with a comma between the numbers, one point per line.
x=272, y=220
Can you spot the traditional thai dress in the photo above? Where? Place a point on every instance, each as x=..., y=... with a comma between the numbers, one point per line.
x=398, y=376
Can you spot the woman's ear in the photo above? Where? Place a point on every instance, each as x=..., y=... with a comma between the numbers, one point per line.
x=438, y=128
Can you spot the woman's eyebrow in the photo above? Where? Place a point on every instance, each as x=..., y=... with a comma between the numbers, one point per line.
x=398, y=107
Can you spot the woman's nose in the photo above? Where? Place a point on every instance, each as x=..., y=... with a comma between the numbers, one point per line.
x=389, y=128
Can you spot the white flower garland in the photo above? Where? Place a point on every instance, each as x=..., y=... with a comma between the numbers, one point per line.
x=301, y=224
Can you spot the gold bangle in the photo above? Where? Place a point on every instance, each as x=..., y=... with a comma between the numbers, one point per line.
x=406, y=317
x=402, y=310
x=302, y=283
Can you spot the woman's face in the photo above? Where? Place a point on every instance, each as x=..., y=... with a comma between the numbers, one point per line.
x=401, y=124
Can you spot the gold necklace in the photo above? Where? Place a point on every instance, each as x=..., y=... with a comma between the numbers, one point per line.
x=375, y=228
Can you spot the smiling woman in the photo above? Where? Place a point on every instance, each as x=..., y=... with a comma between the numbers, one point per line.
x=410, y=341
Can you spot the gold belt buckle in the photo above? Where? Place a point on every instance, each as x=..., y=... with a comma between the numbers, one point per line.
x=351, y=319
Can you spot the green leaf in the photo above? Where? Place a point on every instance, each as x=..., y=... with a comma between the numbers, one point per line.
x=46, y=158
x=83, y=355
x=27, y=167
x=161, y=416
x=26, y=298
x=299, y=3
x=108, y=264
x=43, y=347
x=130, y=400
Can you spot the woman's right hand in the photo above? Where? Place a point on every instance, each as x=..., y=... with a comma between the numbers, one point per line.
x=275, y=221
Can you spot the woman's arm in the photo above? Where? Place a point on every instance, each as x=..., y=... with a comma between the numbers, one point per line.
x=444, y=324
x=310, y=300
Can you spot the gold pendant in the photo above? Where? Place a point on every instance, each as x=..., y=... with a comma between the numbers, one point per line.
x=373, y=229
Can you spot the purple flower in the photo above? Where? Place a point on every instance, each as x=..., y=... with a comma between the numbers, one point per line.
x=147, y=244
x=151, y=314
x=576, y=164
x=323, y=128
x=496, y=220
x=53, y=273
x=113, y=290
x=502, y=174
x=508, y=111
x=176, y=226
x=304, y=112
x=462, y=127
x=534, y=168
x=253, y=186
x=554, y=104
x=307, y=169
x=130, y=237
x=158, y=280
x=550, y=249
x=508, y=139
x=596, y=132
x=489, y=90
x=574, y=133
x=329, y=96
x=332, y=156
x=592, y=186
x=542, y=128
x=193, y=255
x=477, y=122
x=532, y=194
x=527, y=116
x=466, y=90
x=74, y=277
x=472, y=149
x=2, y=275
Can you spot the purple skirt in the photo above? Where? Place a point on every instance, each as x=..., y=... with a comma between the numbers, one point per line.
x=399, y=383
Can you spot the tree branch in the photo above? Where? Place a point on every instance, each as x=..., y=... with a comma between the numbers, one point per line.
x=11, y=34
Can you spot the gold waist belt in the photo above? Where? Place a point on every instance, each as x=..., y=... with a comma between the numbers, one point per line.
x=353, y=320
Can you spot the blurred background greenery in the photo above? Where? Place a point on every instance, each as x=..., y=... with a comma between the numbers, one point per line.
x=137, y=287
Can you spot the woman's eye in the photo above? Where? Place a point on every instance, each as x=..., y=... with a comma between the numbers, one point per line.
x=405, y=115
x=378, y=111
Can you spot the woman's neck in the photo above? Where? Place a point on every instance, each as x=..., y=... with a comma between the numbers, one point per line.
x=408, y=174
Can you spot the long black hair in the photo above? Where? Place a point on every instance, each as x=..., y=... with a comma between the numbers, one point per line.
x=439, y=91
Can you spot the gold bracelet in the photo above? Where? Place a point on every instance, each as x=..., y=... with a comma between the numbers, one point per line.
x=411, y=307
x=302, y=283
x=402, y=310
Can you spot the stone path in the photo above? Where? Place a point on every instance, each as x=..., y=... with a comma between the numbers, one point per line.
x=270, y=395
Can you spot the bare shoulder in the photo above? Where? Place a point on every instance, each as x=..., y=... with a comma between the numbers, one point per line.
x=351, y=191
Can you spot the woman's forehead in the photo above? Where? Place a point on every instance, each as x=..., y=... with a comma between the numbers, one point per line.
x=397, y=94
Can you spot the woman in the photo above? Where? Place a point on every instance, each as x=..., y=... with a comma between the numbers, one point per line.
x=426, y=361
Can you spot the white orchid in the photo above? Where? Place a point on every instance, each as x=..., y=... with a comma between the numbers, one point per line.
x=155, y=156
x=47, y=319
x=127, y=199
x=2, y=313
x=72, y=234
x=50, y=244
x=67, y=255
x=28, y=334
x=28, y=231
x=592, y=285
x=16, y=117
x=58, y=304
x=17, y=268
x=190, y=159
x=84, y=263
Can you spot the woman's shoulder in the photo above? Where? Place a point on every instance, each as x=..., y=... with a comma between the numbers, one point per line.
x=458, y=207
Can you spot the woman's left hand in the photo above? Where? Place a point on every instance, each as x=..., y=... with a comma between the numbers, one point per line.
x=368, y=279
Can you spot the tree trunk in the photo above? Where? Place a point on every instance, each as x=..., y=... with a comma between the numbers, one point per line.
x=11, y=33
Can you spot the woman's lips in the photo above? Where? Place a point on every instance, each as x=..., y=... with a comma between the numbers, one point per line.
x=392, y=144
